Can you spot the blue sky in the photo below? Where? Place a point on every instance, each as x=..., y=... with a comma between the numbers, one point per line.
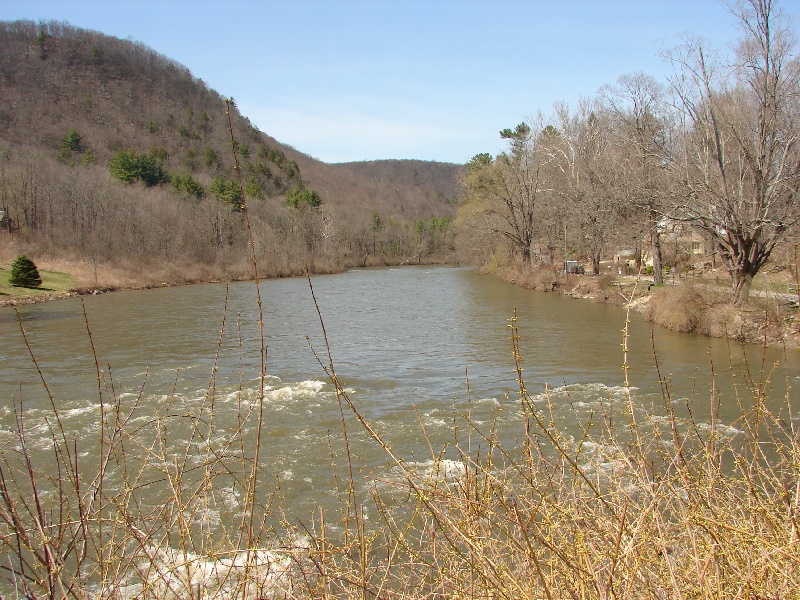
x=346, y=80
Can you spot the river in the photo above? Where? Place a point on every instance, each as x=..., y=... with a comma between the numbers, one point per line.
x=416, y=349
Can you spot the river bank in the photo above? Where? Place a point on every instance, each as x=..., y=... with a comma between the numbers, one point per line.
x=694, y=303
x=68, y=278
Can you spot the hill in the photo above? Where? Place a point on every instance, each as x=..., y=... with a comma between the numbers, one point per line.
x=82, y=112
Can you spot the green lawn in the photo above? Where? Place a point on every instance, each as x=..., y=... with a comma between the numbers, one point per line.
x=52, y=282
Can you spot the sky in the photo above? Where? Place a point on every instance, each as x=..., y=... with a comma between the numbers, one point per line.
x=349, y=80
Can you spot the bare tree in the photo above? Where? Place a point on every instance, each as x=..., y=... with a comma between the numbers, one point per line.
x=636, y=104
x=588, y=176
x=738, y=159
x=510, y=185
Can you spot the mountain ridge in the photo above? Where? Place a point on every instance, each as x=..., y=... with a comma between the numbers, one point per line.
x=72, y=101
x=59, y=77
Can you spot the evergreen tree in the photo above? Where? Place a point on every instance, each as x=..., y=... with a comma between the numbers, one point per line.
x=24, y=273
x=299, y=194
x=129, y=167
x=72, y=141
x=227, y=190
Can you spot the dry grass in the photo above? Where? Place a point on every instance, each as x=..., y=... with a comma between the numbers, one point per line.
x=695, y=309
x=680, y=308
x=542, y=278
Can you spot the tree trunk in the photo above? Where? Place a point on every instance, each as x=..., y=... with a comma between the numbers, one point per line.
x=596, y=263
x=655, y=250
x=743, y=259
x=742, y=281
x=742, y=272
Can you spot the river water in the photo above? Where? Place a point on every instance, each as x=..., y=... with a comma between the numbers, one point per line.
x=416, y=349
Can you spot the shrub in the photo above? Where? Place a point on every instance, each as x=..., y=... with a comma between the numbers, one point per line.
x=680, y=308
x=24, y=273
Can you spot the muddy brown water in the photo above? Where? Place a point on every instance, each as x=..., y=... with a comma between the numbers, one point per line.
x=414, y=347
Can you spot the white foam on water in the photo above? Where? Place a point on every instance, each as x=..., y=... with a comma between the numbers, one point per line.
x=83, y=410
x=230, y=496
x=585, y=395
x=488, y=401
x=432, y=421
x=722, y=429
x=604, y=459
x=449, y=469
x=173, y=574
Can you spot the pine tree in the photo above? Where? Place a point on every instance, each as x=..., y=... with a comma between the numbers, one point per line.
x=24, y=273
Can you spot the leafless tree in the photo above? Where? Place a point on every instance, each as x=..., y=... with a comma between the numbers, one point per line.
x=510, y=186
x=589, y=176
x=738, y=159
x=637, y=106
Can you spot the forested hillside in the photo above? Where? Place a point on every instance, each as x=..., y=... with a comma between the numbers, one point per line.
x=117, y=156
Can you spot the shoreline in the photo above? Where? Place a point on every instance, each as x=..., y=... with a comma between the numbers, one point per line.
x=41, y=296
x=691, y=305
x=752, y=324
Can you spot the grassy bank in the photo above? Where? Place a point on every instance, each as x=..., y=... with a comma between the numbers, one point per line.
x=66, y=277
x=54, y=285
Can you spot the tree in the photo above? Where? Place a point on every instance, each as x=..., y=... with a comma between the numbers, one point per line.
x=590, y=177
x=227, y=190
x=184, y=182
x=739, y=154
x=636, y=105
x=151, y=170
x=299, y=195
x=510, y=186
x=24, y=273
x=41, y=42
x=72, y=141
x=252, y=189
x=125, y=166
x=128, y=166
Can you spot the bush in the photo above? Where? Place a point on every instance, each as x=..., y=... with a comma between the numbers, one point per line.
x=680, y=308
x=24, y=273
